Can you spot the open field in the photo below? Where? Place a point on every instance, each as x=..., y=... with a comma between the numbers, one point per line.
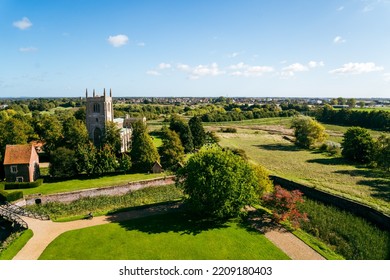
x=283, y=158
x=151, y=239
x=88, y=183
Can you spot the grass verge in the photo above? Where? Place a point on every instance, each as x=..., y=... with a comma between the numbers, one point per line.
x=89, y=183
x=16, y=245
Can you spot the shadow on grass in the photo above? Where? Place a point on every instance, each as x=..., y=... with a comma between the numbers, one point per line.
x=173, y=221
x=378, y=180
x=259, y=221
x=279, y=147
x=328, y=161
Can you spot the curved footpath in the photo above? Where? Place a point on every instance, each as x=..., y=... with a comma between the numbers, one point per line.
x=46, y=231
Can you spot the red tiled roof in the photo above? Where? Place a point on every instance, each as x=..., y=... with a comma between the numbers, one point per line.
x=18, y=154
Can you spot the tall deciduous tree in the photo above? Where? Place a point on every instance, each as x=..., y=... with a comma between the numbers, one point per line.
x=382, y=152
x=143, y=152
x=358, y=145
x=218, y=183
x=178, y=125
x=197, y=131
x=74, y=133
x=171, y=151
x=62, y=163
x=49, y=129
x=307, y=131
x=112, y=137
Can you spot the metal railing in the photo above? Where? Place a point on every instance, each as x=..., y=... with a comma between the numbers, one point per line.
x=9, y=216
x=23, y=212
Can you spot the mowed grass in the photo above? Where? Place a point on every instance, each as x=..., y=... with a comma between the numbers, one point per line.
x=172, y=236
x=16, y=245
x=334, y=175
x=88, y=183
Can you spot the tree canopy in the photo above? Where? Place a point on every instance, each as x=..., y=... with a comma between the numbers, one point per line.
x=218, y=183
x=171, y=151
x=307, y=131
x=197, y=131
x=358, y=145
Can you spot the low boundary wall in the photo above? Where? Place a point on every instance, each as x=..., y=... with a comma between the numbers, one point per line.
x=110, y=191
x=380, y=219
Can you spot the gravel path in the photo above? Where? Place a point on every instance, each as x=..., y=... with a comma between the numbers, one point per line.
x=46, y=231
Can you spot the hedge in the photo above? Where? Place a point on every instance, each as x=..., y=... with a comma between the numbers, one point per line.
x=22, y=185
x=10, y=196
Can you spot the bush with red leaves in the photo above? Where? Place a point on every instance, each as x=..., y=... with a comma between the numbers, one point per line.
x=284, y=205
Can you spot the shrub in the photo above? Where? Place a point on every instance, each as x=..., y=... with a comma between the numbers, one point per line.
x=23, y=185
x=331, y=148
x=228, y=129
x=358, y=145
x=307, y=131
x=10, y=196
x=284, y=205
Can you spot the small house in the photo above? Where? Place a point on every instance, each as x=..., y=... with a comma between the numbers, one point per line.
x=21, y=163
x=157, y=168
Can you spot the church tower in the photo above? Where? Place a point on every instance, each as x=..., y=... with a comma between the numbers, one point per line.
x=98, y=112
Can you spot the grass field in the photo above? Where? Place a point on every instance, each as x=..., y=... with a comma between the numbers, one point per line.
x=283, y=158
x=163, y=237
x=88, y=183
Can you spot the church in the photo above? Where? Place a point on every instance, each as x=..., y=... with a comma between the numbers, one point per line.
x=99, y=111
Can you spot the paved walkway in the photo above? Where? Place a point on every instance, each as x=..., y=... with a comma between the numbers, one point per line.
x=46, y=231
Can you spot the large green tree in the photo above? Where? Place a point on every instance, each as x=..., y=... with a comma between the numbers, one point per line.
x=62, y=163
x=143, y=152
x=358, y=145
x=74, y=133
x=382, y=152
x=197, y=131
x=307, y=131
x=171, y=151
x=49, y=130
x=182, y=128
x=218, y=183
x=112, y=137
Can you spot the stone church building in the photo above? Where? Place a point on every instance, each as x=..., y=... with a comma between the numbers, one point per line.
x=99, y=111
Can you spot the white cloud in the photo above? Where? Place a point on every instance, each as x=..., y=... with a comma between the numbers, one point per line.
x=290, y=70
x=23, y=24
x=118, y=40
x=315, y=64
x=153, y=73
x=368, y=8
x=183, y=67
x=163, y=66
x=28, y=49
x=357, y=68
x=339, y=9
x=242, y=69
x=205, y=70
x=339, y=40
x=141, y=44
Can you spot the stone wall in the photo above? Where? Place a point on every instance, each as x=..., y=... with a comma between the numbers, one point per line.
x=110, y=191
x=364, y=211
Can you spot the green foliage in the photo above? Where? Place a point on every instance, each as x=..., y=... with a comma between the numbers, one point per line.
x=49, y=129
x=307, y=131
x=331, y=148
x=197, y=131
x=218, y=183
x=22, y=185
x=74, y=133
x=171, y=151
x=143, y=152
x=105, y=160
x=112, y=137
x=62, y=163
x=16, y=130
x=178, y=125
x=358, y=145
x=125, y=163
x=382, y=152
x=86, y=158
x=10, y=196
x=349, y=235
x=228, y=129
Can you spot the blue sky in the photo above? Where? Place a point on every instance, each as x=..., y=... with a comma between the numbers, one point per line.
x=195, y=48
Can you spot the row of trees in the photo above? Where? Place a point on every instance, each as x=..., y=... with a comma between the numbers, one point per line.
x=376, y=119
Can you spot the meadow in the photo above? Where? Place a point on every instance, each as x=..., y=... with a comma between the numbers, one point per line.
x=172, y=236
x=264, y=143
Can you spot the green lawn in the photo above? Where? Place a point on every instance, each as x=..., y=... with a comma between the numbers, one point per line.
x=163, y=237
x=16, y=245
x=88, y=183
x=334, y=175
